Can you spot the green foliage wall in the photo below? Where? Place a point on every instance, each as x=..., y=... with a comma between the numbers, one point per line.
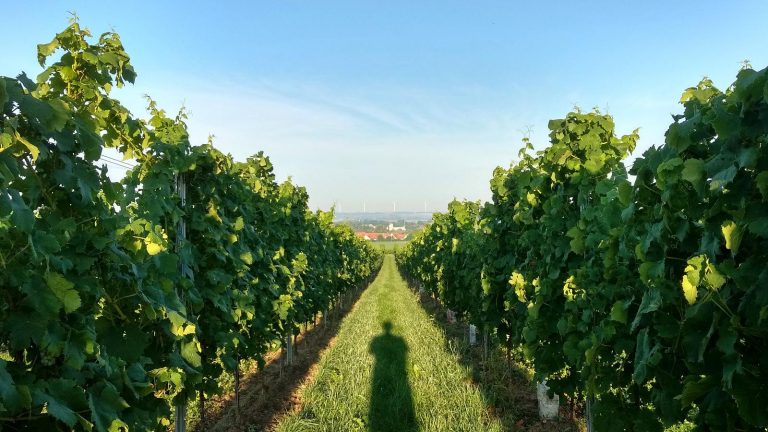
x=107, y=315
x=648, y=297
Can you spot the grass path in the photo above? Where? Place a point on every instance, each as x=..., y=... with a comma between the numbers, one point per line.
x=389, y=370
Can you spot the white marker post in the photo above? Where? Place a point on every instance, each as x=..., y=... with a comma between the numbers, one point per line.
x=472, y=335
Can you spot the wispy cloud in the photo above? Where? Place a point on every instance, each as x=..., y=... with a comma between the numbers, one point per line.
x=378, y=143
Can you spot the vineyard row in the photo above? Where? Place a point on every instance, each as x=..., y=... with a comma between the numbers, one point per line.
x=119, y=300
x=641, y=292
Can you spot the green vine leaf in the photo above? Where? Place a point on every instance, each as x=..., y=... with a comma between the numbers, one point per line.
x=732, y=234
x=64, y=291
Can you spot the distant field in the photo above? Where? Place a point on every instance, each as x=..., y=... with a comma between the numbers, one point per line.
x=389, y=245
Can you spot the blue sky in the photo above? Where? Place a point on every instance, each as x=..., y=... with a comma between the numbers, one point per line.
x=400, y=100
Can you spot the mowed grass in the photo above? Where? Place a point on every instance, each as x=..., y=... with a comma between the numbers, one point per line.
x=390, y=369
x=389, y=245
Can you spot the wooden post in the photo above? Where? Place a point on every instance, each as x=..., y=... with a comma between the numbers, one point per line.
x=202, y=407
x=180, y=422
x=181, y=234
x=509, y=356
x=289, y=350
x=201, y=394
x=237, y=384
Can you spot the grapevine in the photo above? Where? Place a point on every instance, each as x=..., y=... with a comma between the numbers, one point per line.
x=99, y=326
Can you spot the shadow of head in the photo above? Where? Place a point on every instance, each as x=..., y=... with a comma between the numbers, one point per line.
x=387, y=326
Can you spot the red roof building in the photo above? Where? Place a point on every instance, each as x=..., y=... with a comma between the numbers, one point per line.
x=381, y=236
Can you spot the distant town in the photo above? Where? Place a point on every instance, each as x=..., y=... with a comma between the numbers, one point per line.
x=385, y=226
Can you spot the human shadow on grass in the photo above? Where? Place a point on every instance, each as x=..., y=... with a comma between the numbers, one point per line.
x=391, y=408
